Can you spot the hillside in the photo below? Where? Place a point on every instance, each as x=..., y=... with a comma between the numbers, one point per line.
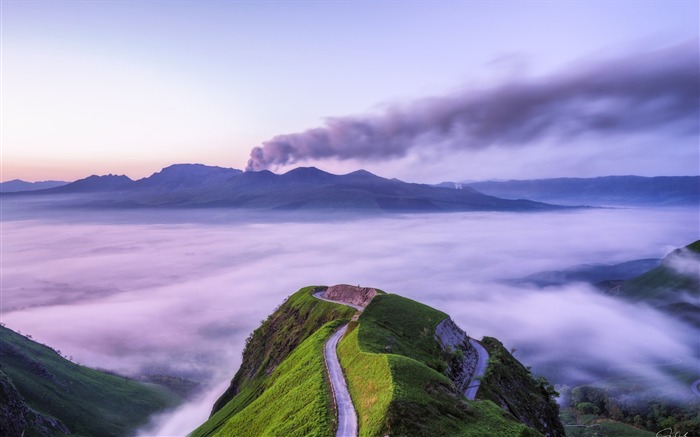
x=199, y=186
x=44, y=394
x=673, y=287
x=405, y=376
x=601, y=191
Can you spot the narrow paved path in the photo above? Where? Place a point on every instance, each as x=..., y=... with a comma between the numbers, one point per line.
x=347, y=417
x=481, y=363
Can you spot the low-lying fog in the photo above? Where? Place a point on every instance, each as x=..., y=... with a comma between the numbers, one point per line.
x=178, y=292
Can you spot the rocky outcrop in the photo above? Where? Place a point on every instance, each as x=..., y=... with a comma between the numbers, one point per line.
x=17, y=418
x=462, y=363
x=359, y=296
x=511, y=386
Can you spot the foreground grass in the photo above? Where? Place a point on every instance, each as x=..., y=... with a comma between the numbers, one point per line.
x=397, y=334
x=295, y=400
x=87, y=401
x=269, y=348
x=369, y=381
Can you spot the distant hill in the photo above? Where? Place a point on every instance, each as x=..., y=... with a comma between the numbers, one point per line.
x=592, y=273
x=673, y=287
x=43, y=394
x=16, y=185
x=403, y=362
x=305, y=188
x=601, y=191
x=92, y=184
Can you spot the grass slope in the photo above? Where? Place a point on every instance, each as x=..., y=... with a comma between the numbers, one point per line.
x=369, y=381
x=295, y=400
x=267, y=349
x=668, y=289
x=88, y=402
x=396, y=334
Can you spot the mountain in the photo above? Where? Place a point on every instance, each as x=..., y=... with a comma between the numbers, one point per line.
x=409, y=370
x=16, y=185
x=44, y=394
x=92, y=184
x=193, y=186
x=601, y=191
x=592, y=273
x=184, y=177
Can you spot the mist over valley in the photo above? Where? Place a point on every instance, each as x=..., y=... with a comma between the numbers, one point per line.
x=176, y=292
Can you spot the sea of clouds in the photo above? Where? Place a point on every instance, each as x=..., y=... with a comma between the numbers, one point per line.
x=173, y=292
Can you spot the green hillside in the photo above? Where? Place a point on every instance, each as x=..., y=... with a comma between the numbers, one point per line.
x=396, y=374
x=673, y=287
x=46, y=395
x=292, y=331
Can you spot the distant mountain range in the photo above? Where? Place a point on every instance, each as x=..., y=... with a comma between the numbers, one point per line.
x=16, y=185
x=304, y=188
x=308, y=188
x=601, y=191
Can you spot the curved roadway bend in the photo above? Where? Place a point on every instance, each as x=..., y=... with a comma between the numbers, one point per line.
x=319, y=295
x=481, y=363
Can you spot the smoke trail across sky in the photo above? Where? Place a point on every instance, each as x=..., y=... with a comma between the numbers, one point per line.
x=653, y=92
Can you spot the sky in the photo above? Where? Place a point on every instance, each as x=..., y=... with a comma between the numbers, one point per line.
x=421, y=91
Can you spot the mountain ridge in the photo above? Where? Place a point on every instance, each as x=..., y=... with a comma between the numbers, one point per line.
x=598, y=191
x=303, y=188
x=402, y=375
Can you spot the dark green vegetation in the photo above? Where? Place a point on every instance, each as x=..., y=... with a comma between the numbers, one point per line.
x=627, y=405
x=623, y=411
x=396, y=335
x=510, y=385
x=673, y=287
x=395, y=369
x=194, y=185
x=282, y=353
x=44, y=394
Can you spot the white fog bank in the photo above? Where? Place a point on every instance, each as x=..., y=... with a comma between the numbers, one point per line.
x=180, y=296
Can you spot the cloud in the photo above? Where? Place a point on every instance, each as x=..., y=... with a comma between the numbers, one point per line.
x=639, y=93
x=179, y=291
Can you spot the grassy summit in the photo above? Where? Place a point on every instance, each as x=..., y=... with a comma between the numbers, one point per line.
x=396, y=372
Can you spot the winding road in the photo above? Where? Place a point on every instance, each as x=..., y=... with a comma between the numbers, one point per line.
x=347, y=416
x=481, y=363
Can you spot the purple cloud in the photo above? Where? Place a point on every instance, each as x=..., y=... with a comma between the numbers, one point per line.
x=633, y=94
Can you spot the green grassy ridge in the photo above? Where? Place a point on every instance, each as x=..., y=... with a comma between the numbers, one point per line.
x=87, y=401
x=666, y=289
x=392, y=363
x=369, y=381
x=657, y=282
x=295, y=400
x=268, y=347
x=398, y=333
x=298, y=317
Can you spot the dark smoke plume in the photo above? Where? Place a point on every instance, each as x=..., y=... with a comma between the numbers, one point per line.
x=644, y=92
